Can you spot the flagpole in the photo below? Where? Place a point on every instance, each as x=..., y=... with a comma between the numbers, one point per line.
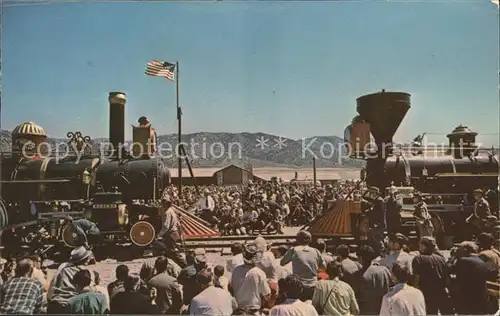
x=179, y=129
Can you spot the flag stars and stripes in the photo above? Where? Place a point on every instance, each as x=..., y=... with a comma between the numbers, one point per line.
x=159, y=68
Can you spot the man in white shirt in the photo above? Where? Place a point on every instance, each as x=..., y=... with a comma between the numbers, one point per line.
x=402, y=299
x=206, y=206
x=249, y=283
x=211, y=300
x=291, y=288
x=206, y=202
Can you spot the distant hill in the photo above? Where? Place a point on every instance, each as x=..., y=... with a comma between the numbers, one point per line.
x=222, y=149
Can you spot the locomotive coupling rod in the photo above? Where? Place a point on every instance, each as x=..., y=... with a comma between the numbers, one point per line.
x=37, y=181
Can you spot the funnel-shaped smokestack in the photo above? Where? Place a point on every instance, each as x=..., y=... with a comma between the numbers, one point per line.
x=384, y=111
x=117, y=102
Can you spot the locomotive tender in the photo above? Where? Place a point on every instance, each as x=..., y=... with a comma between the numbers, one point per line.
x=116, y=190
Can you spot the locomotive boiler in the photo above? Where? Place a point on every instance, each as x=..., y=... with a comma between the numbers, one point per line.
x=116, y=188
x=457, y=168
x=445, y=175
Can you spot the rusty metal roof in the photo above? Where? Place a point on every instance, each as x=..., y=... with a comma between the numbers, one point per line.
x=336, y=221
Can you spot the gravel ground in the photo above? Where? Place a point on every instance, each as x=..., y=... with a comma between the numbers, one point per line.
x=106, y=268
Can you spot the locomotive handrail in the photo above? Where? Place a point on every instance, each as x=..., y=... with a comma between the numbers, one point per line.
x=444, y=175
x=36, y=181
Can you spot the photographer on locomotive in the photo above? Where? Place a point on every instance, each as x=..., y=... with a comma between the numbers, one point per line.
x=88, y=234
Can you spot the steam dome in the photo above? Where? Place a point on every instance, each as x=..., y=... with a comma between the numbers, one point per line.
x=28, y=129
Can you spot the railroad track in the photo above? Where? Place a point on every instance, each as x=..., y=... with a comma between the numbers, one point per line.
x=227, y=241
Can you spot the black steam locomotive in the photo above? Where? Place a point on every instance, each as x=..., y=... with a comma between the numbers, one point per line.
x=445, y=175
x=460, y=168
x=117, y=189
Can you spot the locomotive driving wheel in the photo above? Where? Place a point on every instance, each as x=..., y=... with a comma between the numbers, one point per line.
x=142, y=233
x=70, y=236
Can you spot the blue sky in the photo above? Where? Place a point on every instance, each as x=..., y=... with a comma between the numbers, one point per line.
x=291, y=69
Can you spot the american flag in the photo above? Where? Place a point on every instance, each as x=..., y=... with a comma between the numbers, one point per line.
x=160, y=69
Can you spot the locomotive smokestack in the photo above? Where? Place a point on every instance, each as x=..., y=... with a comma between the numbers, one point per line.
x=117, y=102
x=384, y=111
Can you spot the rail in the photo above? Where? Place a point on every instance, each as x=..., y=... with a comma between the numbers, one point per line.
x=237, y=238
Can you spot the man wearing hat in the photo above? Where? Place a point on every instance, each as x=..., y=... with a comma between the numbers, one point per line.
x=377, y=215
x=61, y=288
x=431, y=277
x=170, y=232
x=249, y=283
x=482, y=214
x=144, y=122
x=422, y=216
x=470, y=296
x=87, y=231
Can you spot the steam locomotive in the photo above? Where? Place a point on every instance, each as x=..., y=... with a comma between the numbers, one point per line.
x=117, y=189
x=461, y=168
x=445, y=178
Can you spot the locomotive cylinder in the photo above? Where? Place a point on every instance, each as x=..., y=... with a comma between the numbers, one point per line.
x=117, y=102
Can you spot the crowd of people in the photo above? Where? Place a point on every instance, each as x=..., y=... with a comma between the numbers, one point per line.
x=262, y=206
x=303, y=279
x=382, y=277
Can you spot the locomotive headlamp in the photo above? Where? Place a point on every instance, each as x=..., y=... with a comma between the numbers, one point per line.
x=122, y=214
x=86, y=178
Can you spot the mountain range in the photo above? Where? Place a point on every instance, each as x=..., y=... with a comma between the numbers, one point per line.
x=258, y=149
